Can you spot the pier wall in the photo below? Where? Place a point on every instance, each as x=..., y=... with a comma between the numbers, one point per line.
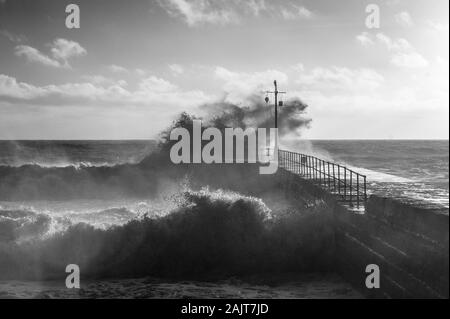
x=409, y=244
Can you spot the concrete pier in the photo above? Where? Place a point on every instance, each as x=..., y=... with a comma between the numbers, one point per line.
x=409, y=244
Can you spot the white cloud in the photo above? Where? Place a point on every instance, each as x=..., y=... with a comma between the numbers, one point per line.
x=364, y=39
x=154, y=84
x=102, y=80
x=440, y=27
x=140, y=72
x=152, y=91
x=198, y=12
x=12, y=37
x=409, y=60
x=256, y=7
x=34, y=55
x=61, y=51
x=239, y=86
x=176, y=69
x=297, y=12
x=9, y=87
x=341, y=78
x=404, y=19
x=394, y=45
x=117, y=68
x=402, y=53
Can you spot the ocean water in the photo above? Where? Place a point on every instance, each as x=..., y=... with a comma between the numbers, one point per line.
x=73, y=153
x=414, y=170
x=101, y=205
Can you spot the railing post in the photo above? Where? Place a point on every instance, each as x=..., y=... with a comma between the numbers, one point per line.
x=307, y=167
x=310, y=167
x=314, y=168
x=317, y=169
x=320, y=172
x=339, y=179
x=365, y=189
x=357, y=190
x=290, y=161
x=324, y=173
x=334, y=178
x=329, y=179
x=351, y=189
x=345, y=183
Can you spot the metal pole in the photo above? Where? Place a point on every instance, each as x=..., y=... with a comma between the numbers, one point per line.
x=329, y=180
x=351, y=184
x=339, y=179
x=345, y=183
x=334, y=177
x=309, y=167
x=276, y=103
x=365, y=189
x=357, y=189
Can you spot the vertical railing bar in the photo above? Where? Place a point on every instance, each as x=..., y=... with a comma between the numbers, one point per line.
x=339, y=180
x=351, y=185
x=329, y=177
x=357, y=190
x=334, y=178
x=365, y=190
x=325, y=174
x=345, y=183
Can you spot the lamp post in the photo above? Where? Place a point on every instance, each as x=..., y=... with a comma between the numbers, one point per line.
x=275, y=93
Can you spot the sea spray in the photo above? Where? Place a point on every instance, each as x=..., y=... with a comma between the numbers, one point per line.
x=211, y=234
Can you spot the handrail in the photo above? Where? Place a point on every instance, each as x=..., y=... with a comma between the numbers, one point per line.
x=349, y=186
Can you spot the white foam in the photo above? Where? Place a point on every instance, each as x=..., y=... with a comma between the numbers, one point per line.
x=380, y=177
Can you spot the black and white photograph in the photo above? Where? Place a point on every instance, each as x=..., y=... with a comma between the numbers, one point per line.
x=224, y=154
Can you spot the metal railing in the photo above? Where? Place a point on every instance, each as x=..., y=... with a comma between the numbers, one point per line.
x=347, y=185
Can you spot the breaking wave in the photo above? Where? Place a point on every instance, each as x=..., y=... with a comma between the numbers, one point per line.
x=209, y=234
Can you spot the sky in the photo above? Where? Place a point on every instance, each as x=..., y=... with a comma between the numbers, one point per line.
x=132, y=66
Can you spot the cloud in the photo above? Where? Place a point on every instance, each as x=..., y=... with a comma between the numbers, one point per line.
x=340, y=78
x=99, y=91
x=219, y=12
x=176, y=69
x=438, y=27
x=239, y=86
x=296, y=12
x=34, y=55
x=402, y=53
x=103, y=80
x=16, y=38
x=394, y=45
x=197, y=12
x=117, y=68
x=409, y=60
x=61, y=51
x=154, y=84
x=256, y=7
x=364, y=39
x=140, y=72
x=404, y=19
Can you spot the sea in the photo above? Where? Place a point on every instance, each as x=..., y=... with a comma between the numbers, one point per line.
x=46, y=200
